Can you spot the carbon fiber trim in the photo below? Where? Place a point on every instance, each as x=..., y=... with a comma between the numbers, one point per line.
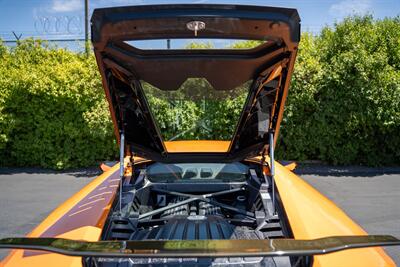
x=199, y=248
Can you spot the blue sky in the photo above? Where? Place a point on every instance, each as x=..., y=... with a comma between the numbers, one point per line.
x=64, y=18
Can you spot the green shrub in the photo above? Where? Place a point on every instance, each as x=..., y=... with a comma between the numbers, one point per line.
x=343, y=105
x=52, y=111
x=344, y=102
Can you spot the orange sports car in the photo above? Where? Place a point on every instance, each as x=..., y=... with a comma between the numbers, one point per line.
x=192, y=188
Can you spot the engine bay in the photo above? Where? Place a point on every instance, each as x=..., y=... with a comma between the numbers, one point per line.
x=196, y=202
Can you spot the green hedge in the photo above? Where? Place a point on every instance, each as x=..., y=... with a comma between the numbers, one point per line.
x=344, y=101
x=53, y=112
x=343, y=105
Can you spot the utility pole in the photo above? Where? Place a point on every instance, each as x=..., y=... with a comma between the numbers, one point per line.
x=87, y=48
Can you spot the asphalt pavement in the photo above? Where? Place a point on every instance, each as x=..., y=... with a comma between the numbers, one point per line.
x=370, y=196
x=27, y=196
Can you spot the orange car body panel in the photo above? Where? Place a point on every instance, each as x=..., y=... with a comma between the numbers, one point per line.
x=200, y=146
x=310, y=214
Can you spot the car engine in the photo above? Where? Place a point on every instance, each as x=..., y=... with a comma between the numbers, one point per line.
x=194, y=210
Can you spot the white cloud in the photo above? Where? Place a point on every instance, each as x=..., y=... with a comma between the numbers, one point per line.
x=348, y=7
x=60, y=6
x=200, y=1
x=66, y=5
x=109, y=3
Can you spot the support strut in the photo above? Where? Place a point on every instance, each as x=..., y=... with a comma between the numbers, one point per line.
x=272, y=168
x=121, y=167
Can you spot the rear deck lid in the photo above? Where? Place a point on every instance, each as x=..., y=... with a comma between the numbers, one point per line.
x=196, y=72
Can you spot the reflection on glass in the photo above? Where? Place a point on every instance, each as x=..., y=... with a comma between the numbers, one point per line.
x=196, y=111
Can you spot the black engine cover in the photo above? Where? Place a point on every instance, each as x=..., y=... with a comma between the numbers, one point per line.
x=194, y=227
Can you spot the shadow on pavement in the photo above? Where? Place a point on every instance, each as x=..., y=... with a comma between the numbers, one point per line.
x=302, y=169
x=78, y=173
x=350, y=171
